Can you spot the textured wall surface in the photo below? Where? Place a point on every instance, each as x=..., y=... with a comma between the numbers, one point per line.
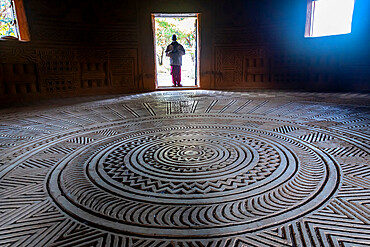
x=76, y=48
x=102, y=47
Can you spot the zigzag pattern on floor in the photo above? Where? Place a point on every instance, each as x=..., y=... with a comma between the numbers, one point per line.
x=187, y=168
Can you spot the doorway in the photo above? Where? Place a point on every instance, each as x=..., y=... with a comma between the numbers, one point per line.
x=185, y=26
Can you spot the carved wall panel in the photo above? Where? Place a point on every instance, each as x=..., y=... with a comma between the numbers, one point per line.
x=241, y=66
x=58, y=70
x=13, y=53
x=124, y=68
x=94, y=75
x=18, y=72
x=271, y=67
x=45, y=72
x=18, y=78
x=296, y=69
x=59, y=84
x=286, y=69
x=94, y=68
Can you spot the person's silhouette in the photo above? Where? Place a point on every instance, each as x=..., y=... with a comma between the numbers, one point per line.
x=175, y=51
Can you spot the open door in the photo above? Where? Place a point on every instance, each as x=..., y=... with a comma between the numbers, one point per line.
x=185, y=26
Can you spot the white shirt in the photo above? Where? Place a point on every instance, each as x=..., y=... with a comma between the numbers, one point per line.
x=175, y=51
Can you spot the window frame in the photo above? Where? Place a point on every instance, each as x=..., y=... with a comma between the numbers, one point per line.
x=310, y=17
x=21, y=21
x=308, y=27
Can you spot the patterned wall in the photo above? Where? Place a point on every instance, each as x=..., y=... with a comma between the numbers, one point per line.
x=265, y=65
x=105, y=47
x=75, y=50
x=262, y=45
x=46, y=72
x=241, y=67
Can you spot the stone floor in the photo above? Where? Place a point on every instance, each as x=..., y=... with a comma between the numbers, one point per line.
x=187, y=168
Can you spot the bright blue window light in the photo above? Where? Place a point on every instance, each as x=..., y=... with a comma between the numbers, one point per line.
x=329, y=17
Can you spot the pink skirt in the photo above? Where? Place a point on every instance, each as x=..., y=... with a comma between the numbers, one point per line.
x=176, y=74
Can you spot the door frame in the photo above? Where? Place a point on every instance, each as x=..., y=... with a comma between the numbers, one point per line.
x=197, y=48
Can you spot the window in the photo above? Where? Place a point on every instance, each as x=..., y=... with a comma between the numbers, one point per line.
x=13, y=22
x=329, y=17
x=8, y=20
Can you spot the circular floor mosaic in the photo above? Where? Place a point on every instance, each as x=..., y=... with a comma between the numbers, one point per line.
x=204, y=169
x=175, y=181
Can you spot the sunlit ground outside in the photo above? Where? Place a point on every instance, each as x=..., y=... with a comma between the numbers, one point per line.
x=164, y=77
x=185, y=29
x=332, y=17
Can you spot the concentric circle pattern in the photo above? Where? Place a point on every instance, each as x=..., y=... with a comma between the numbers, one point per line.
x=222, y=169
x=217, y=166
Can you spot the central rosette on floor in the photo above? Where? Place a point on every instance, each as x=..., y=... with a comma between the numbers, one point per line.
x=184, y=153
x=184, y=164
x=190, y=154
x=175, y=181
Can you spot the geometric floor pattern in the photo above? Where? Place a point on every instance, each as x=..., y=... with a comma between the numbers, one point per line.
x=187, y=168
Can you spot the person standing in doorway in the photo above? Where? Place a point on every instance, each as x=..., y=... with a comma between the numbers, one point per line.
x=175, y=51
